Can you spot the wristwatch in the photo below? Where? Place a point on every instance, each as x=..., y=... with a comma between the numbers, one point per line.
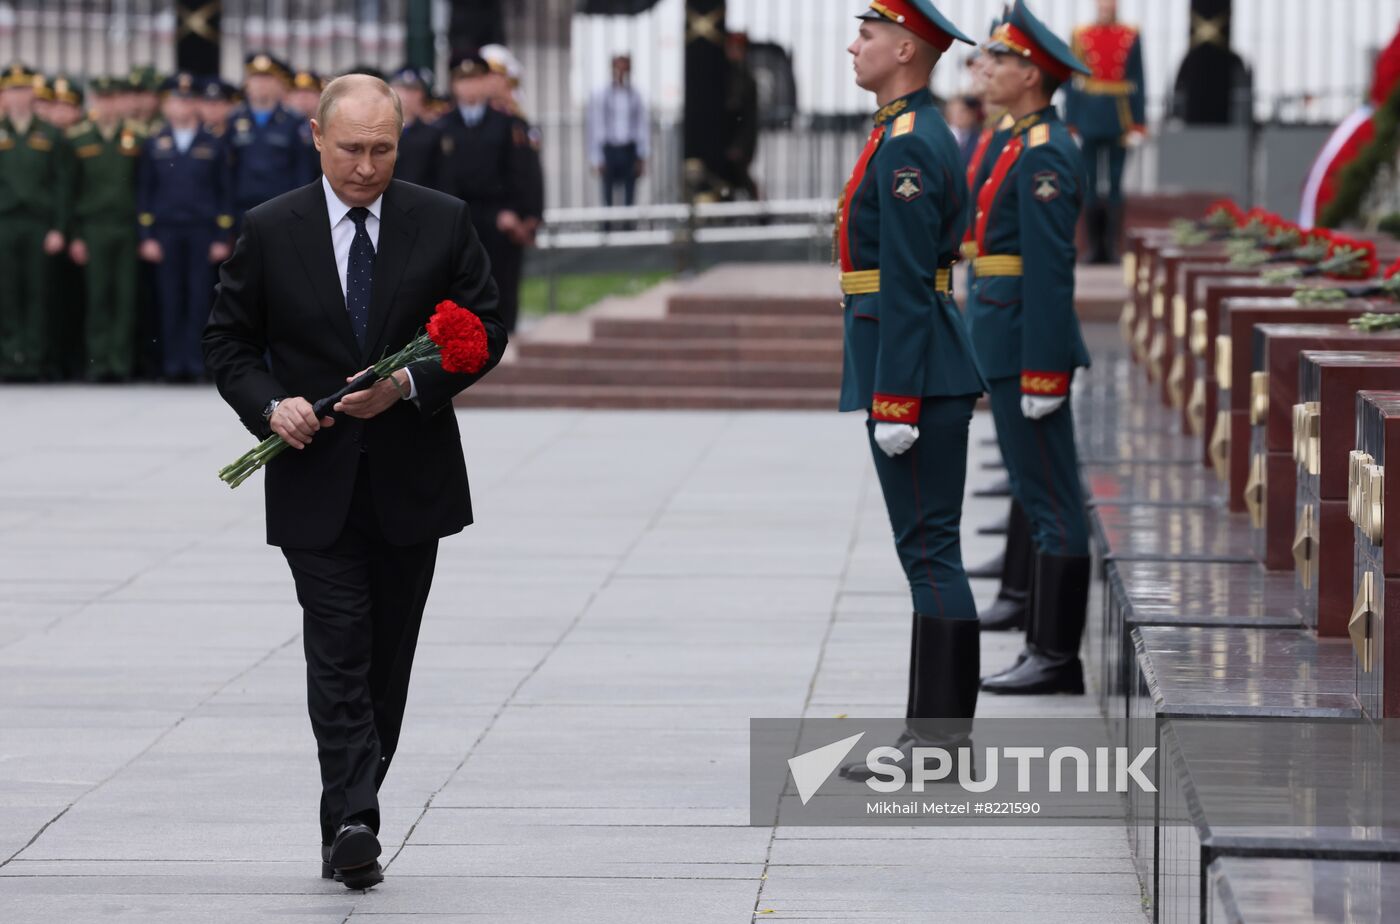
x=271, y=408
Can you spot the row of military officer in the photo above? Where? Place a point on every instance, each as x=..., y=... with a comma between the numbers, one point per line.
x=169, y=183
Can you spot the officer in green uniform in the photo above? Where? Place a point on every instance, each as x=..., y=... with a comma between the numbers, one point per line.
x=106, y=153
x=65, y=354
x=909, y=364
x=33, y=212
x=1021, y=313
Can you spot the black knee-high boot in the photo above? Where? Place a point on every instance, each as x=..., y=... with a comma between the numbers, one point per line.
x=943, y=684
x=1012, y=604
x=1060, y=606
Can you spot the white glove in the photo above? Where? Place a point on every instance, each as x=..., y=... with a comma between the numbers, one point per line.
x=1034, y=407
x=893, y=438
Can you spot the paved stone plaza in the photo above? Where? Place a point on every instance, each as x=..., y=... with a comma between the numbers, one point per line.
x=637, y=586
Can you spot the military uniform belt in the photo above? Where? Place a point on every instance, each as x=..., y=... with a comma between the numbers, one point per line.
x=867, y=282
x=1097, y=87
x=997, y=265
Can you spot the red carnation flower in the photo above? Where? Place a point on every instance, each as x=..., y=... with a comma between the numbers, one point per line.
x=460, y=337
x=1349, y=258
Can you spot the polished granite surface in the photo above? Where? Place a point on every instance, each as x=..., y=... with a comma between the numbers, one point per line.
x=1245, y=672
x=1147, y=484
x=1178, y=533
x=1265, y=891
x=1202, y=593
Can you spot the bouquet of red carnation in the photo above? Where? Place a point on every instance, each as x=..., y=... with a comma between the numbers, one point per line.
x=1349, y=258
x=1224, y=215
x=455, y=337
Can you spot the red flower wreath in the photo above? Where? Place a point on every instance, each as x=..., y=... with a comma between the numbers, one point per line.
x=460, y=337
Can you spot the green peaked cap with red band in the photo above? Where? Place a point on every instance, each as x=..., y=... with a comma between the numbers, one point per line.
x=1024, y=35
x=920, y=17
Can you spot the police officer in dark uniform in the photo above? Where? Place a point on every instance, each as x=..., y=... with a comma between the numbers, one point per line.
x=420, y=147
x=486, y=161
x=186, y=224
x=269, y=155
x=909, y=364
x=1021, y=313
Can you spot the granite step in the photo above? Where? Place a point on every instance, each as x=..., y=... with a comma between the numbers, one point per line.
x=775, y=351
x=729, y=326
x=641, y=374
x=626, y=397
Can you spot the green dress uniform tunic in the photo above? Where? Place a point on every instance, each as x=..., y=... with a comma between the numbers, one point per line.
x=1021, y=313
x=908, y=357
x=33, y=184
x=104, y=217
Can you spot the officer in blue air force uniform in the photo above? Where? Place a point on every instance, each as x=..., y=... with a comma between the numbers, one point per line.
x=269, y=154
x=909, y=363
x=1021, y=313
x=185, y=224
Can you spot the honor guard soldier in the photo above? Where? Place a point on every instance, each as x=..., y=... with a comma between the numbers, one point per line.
x=1108, y=110
x=106, y=154
x=420, y=147
x=487, y=159
x=1016, y=564
x=268, y=155
x=1021, y=312
x=909, y=364
x=34, y=171
x=302, y=101
x=186, y=224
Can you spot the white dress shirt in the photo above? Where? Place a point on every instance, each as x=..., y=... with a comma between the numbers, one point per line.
x=617, y=115
x=343, y=235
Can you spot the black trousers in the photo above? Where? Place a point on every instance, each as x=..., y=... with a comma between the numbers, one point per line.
x=362, y=602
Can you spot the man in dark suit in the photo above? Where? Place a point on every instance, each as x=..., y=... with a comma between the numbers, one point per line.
x=323, y=280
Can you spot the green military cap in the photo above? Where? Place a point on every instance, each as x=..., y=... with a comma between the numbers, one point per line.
x=66, y=91
x=106, y=86
x=17, y=74
x=42, y=89
x=144, y=79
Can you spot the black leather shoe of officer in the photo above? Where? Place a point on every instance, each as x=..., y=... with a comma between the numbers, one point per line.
x=943, y=690
x=354, y=856
x=1060, y=606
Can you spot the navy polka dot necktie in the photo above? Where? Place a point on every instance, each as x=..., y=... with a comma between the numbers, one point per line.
x=359, y=276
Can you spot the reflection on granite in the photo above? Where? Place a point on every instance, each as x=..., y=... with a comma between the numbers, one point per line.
x=1180, y=533
x=1266, y=891
x=1133, y=483
x=1245, y=672
x=1202, y=593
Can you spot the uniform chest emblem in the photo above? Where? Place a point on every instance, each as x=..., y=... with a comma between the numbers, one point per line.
x=1047, y=186
x=908, y=184
x=164, y=143
x=242, y=126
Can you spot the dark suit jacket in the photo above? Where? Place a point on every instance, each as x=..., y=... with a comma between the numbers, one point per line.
x=279, y=328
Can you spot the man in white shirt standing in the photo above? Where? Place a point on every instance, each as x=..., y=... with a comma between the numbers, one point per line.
x=619, y=134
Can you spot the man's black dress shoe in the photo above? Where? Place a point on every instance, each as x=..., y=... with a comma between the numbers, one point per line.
x=353, y=857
